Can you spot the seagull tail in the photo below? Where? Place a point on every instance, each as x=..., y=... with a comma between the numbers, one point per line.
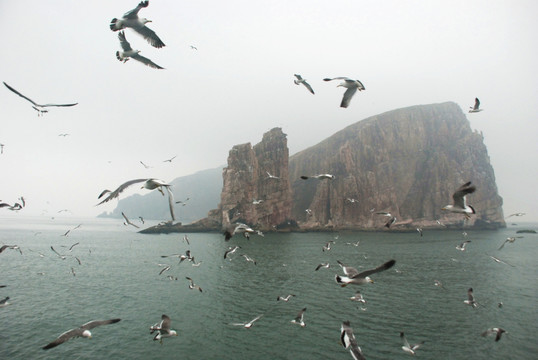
x=113, y=23
x=340, y=280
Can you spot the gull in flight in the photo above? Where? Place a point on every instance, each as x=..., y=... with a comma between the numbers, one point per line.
x=127, y=221
x=461, y=247
x=192, y=285
x=319, y=177
x=239, y=228
x=470, y=298
x=299, y=319
x=163, y=329
x=408, y=348
x=145, y=166
x=351, y=85
x=327, y=246
x=459, y=203
x=353, y=276
x=323, y=265
x=508, y=240
x=285, y=298
x=4, y=302
x=497, y=331
x=249, y=324
x=231, y=250
x=249, y=259
x=358, y=297
x=129, y=53
x=476, y=107
x=300, y=81
x=347, y=338
x=269, y=176
x=12, y=247
x=83, y=330
x=170, y=160
x=131, y=20
x=40, y=108
x=516, y=214
x=150, y=184
x=497, y=260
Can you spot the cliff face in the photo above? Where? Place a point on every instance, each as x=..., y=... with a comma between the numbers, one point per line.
x=245, y=180
x=407, y=162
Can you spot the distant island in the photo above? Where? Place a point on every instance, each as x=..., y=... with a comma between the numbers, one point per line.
x=407, y=162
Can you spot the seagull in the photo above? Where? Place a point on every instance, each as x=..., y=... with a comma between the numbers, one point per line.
x=163, y=329
x=2, y=148
x=352, y=87
x=146, y=166
x=358, y=297
x=300, y=81
x=420, y=231
x=186, y=239
x=128, y=53
x=170, y=160
x=299, y=318
x=500, y=261
x=63, y=135
x=231, y=250
x=183, y=202
x=439, y=284
x=12, y=247
x=509, y=240
x=408, y=348
x=270, y=176
x=150, y=184
x=249, y=259
x=461, y=247
x=141, y=219
x=192, y=285
x=327, y=246
x=319, y=177
x=127, y=221
x=130, y=19
x=285, y=298
x=239, y=228
x=63, y=257
x=249, y=324
x=390, y=222
x=460, y=204
x=354, y=277
x=186, y=256
x=83, y=330
x=516, y=214
x=4, y=302
x=476, y=107
x=256, y=202
x=470, y=298
x=352, y=200
x=497, y=331
x=40, y=108
x=166, y=268
x=193, y=47
x=347, y=338
x=323, y=265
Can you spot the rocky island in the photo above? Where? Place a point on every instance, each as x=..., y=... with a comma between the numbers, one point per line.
x=407, y=162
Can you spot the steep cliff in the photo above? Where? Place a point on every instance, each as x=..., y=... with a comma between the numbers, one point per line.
x=407, y=162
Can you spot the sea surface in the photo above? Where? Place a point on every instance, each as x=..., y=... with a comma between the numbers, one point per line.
x=119, y=278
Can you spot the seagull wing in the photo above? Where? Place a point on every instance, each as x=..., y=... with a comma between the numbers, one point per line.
x=476, y=104
x=150, y=36
x=123, y=42
x=146, y=61
x=165, y=323
x=459, y=195
x=21, y=95
x=380, y=268
x=133, y=14
x=337, y=78
x=348, y=270
x=404, y=339
x=347, y=96
x=299, y=317
x=171, y=202
x=59, y=105
x=95, y=323
x=116, y=193
x=307, y=85
x=64, y=337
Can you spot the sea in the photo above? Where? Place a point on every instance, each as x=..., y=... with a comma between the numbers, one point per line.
x=118, y=277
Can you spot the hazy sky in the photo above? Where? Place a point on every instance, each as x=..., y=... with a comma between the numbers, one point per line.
x=239, y=84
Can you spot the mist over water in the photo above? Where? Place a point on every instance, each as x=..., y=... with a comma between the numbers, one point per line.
x=119, y=277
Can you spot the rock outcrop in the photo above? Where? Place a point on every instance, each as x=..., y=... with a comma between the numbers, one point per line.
x=407, y=162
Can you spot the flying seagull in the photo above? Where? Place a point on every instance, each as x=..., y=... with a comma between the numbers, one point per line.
x=327, y=246
x=163, y=329
x=319, y=177
x=354, y=277
x=249, y=259
x=231, y=250
x=192, y=285
x=285, y=298
x=40, y=108
x=461, y=247
x=322, y=265
x=4, y=302
x=299, y=319
x=300, y=81
x=408, y=348
x=131, y=20
x=145, y=166
x=476, y=107
x=516, y=214
x=129, y=53
x=347, y=338
x=351, y=85
x=83, y=331
x=238, y=228
x=497, y=331
x=460, y=204
x=127, y=221
x=508, y=240
x=358, y=297
x=497, y=260
x=150, y=184
x=170, y=160
x=270, y=176
x=12, y=247
x=249, y=324
x=470, y=298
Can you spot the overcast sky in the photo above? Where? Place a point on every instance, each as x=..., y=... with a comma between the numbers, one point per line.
x=239, y=84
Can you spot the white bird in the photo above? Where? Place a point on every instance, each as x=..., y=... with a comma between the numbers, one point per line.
x=347, y=338
x=470, y=298
x=500, y=261
x=249, y=324
x=249, y=259
x=358, y=297
x=150, y=184
x=408, y=348
x=192, y=285
x=256, y=202
x=354, y=277
x=145, y=166
x=352, y=200
x=351, y=85
x=516, y=214
x=4, y=302
x=323, y=265
x=319, y=177
x=163, y=329
x=231, y=250
x=127, y=221
x=12, y=247
x=476, y=107
x=129, y=53
x=461, y=247
x=170, y=160
x=300, y=81
x=83, y=330
x=270, y=176
x=40, y=108
x=285, y=298
x=327, y=246
x=459, y=203
x=238, y=228
x=497, y=331
x=508, y=240
x=299, y=319
x=131, y=20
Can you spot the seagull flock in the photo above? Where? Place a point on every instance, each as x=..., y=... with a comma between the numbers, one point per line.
x=351, y=276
